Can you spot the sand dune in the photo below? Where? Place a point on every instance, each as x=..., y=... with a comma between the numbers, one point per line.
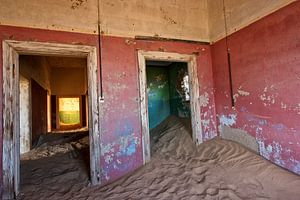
x=217, y=169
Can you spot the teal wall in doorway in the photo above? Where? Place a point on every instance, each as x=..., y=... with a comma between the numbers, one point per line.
x=165, y=93
x=158, y=95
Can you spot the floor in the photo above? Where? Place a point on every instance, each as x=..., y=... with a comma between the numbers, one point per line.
x=218, y=169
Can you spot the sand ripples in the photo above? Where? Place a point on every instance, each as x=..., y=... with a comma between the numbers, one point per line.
x=179, y=169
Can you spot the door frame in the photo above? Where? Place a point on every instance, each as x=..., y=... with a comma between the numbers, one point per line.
x=11, y=117
x=143, y=56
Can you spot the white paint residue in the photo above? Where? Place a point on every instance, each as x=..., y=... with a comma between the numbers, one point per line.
x=105, y=149
x=204, y=99
x=108, y=159
x=239, y=93
x=297, y=109
x=263, y=150
x=283, y=105
x=277, y=154
x=243, y=93
x=228, y=120
x=273, y=150
x=205, y=123
x=235, y=96
x=266, y=97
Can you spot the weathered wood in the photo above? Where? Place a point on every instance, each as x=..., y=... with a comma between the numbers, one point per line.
x=8, y=125
x=48, y=49
x=11, y=118
x=195, y=100
x=194, y=94
x=93, y=120
x=144, y=107
x=16, y=131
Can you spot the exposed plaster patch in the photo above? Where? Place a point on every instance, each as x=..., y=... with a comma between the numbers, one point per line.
x=263, y=150
x=243, y=93
x=239, y=93
x=272, y=151
x=114, y=152
x=297, y=109
x=296, y=164
x=267, y=98
x=228, y=120
x=127, y=146
x=204, y=99
x=283, y=105
x=205, y=123
x=277, y=154
x=130, y=42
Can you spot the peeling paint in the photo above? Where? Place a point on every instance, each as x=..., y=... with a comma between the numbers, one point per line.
x=268, y=96
x=243, y=93
x=205, y=123
x=204, y=99
x=228, y=120
x=240, y=92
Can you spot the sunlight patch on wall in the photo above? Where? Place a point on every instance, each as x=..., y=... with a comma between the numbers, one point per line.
x=69, y=111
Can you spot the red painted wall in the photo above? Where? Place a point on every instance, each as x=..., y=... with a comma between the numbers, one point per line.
x=121, y=146
x=265, y=58
x=121, y=121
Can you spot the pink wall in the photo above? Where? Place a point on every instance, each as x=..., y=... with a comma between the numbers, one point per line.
x=265, y=58
x=121, y=146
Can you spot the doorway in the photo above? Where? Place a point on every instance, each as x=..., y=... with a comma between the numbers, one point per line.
x=12, y=50
x=192, y=97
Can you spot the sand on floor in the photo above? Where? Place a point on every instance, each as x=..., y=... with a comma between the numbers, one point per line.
x=217, y=169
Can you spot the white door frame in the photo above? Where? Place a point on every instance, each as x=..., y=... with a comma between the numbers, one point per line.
x=194, y=94
x=11, y=117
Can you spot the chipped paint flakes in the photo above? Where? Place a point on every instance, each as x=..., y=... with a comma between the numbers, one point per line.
x=243, y=93
x=283, y=105
x=268, y=96
x=240, y=92
x=130, y=42
x=295, y=108
x=228, y=120
x=205, y=123
x=272, y=151
x=204, y=99
x=263, y=150
x=108, y=158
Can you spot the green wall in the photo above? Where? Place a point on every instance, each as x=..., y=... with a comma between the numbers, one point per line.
x=165, y=95
x=158, y=95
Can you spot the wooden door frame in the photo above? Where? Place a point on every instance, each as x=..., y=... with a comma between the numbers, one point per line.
x=143, y=56
x=11, y=120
